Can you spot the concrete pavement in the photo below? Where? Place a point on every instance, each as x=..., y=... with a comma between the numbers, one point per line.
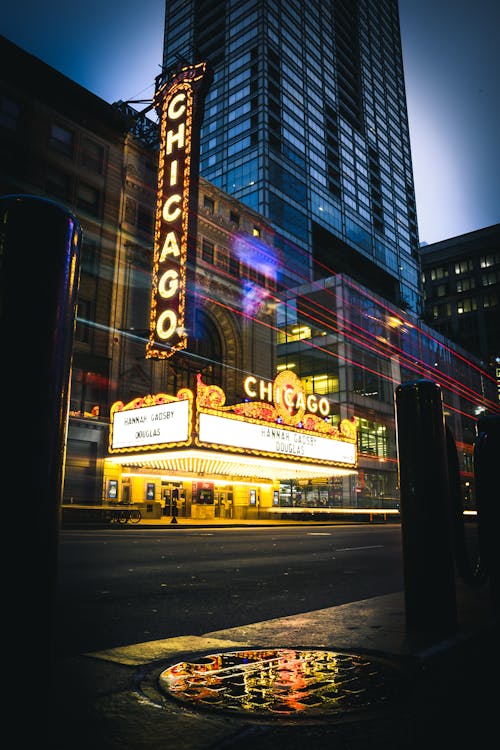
x=444, y=687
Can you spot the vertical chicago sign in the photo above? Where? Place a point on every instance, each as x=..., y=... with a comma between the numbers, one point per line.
x=179, y=103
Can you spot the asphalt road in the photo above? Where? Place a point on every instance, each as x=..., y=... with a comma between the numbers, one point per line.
x=129, y=585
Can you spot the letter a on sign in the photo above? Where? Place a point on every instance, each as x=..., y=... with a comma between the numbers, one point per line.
x=179, y=103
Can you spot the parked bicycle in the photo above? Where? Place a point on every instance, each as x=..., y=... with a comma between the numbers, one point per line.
x=123, y=515
x=129, y=515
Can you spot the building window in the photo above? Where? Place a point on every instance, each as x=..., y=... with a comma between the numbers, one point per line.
x=465, y=266
x=90, y=256
x=439, y=273
x=139, y=290
x=234, y=266
x=490, y=300
x=130, y=211
x=88, y=391
x=372, y=438
x=243, y=176
x=469, y=304
x=366, y=381
x=464, y=285
x=489, y=278
x=82, y=329
x=150, y=171
x=256, y=232
x=9, y=113
x=144, y=219
x=207, y=251
x=486, y=261
x=249, y=272
x=234, y=218
x=441, y=311
x=62, y=139
x=58, y=183
x=208, y=204
x=92, y=155
x=88, y=198
x=322, y=384
x=297, y=332
x=222, y=258
x=441, y=290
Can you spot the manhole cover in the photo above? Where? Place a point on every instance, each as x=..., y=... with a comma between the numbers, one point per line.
x=283, y=682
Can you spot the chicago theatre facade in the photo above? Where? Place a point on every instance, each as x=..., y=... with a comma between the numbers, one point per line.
x=226, y=460
x=220, y=439
x=198, y=372
x=263, y=398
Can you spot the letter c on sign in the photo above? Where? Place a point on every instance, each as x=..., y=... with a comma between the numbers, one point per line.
x=168, y=214
x=247, y=385
x=177, y=107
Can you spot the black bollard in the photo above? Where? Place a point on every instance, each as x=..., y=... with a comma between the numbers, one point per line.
x=486, y=458
x=40, y=262
x=472, y=573
x=426, y=517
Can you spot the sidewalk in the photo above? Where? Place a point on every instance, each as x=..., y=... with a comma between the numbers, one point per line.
x=165, y=522
x=442, y=690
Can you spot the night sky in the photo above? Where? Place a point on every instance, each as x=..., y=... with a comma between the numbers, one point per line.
x=452, y=71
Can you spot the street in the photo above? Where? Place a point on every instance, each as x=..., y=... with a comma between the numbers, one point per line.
x=129, y=585
x=135, y=585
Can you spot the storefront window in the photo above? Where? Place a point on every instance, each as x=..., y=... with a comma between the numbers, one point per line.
x=372, y=438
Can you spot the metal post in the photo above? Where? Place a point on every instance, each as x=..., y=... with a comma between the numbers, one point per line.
x=426, y=520
x=39, y=276
x=472, y=573
x=486, y=458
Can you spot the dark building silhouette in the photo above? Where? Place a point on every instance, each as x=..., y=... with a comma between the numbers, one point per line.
x=60, y=141
x=461, y=280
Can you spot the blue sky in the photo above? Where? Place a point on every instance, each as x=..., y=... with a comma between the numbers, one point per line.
x=452, y=71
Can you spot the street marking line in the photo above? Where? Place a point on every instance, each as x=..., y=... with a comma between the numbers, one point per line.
x=352, y=549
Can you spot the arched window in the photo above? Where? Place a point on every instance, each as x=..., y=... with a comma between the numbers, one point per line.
x=204, y=354
x=206, y=346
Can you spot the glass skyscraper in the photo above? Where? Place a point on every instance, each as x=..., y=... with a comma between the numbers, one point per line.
x=306, y=122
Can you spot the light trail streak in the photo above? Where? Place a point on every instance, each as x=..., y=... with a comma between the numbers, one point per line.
x=344, y=358
x=340, y=325
x=369, y=341
x=415, y=365
x=418, y=365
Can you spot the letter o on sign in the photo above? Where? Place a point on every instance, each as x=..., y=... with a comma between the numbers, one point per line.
x=166, y=325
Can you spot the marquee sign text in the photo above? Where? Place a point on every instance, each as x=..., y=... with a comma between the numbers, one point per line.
x=151, y=422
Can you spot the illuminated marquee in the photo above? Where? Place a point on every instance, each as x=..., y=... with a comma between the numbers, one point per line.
x=284, y=423
x=287, y=394
x=151, y=422
x=266, y=440
x=180, y=105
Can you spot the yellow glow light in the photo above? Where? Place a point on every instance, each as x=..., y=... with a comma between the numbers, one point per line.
x=193, y=464
x=174, y=222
